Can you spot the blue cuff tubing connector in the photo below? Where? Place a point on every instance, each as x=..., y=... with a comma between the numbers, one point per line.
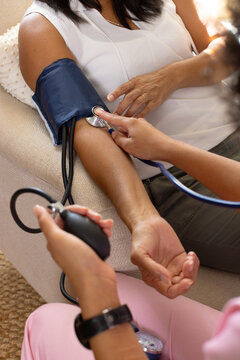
x=62, y=93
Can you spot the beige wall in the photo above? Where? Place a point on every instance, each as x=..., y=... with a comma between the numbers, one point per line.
x=11, y=12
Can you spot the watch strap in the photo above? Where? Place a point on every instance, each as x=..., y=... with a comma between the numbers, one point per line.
x=108, y=319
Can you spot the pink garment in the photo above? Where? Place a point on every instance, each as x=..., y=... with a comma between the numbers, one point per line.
x=182, y=324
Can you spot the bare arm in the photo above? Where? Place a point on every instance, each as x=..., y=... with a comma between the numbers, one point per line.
x=186, y=9
x=41, y=44
x=221, y=175
x=141, y=139
x=94, y=282
x=206, y=68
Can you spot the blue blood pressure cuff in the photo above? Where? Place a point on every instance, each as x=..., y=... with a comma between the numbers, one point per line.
x=62, y=93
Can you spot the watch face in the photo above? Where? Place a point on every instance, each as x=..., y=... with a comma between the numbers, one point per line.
x=150, y=343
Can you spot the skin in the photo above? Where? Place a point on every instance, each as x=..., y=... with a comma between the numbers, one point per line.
x=156, y=249
x=142, y=140
x=144, y=93
x=94, y=282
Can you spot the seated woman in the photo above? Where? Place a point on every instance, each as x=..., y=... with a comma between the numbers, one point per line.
x=151, y=43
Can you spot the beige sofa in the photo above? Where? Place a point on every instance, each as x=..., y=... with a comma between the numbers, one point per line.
x=27, y=158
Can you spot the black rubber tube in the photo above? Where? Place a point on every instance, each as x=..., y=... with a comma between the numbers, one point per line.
x=19, y=192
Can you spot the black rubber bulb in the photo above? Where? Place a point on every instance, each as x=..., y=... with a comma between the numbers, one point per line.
x=88, y=231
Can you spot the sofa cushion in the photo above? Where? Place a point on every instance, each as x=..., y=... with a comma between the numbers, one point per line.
x=10, y=75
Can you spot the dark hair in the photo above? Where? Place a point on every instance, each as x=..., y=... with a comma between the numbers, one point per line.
x=143, y=10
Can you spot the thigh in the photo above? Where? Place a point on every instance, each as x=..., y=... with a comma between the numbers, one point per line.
x=182, y=324
x=49, y=334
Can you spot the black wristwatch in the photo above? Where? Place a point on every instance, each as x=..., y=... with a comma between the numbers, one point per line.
x=108, y=319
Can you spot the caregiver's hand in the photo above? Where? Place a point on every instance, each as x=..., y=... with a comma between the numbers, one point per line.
x=80, y=263
x=144, y=93
x=138, y=137
x=161, y=258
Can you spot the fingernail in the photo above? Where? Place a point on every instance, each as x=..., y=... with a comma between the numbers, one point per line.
x=110, y=97
x=92, y=212
x=37, y=210
x=190, y=283
x=190, y=266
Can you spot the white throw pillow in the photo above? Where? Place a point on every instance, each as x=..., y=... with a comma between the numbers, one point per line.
x=10, y=75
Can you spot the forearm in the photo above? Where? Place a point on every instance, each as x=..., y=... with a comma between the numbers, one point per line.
x=117, y=343
x=206, y=68
x=114, y=173
x=221, y=175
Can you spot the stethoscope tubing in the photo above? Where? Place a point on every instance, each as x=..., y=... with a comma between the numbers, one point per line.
x=206, y=199
x=203, y=198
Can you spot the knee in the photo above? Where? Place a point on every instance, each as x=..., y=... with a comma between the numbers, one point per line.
x=40, y=316
x=48, y=314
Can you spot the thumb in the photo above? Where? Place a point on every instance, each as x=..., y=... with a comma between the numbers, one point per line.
x=46, y=222
x=121, y=140
x=146, y=263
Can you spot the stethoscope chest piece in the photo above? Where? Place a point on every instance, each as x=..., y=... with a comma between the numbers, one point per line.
x=96, y=121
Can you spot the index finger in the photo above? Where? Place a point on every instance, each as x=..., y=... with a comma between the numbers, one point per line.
x=121, y=90
x=113, y=119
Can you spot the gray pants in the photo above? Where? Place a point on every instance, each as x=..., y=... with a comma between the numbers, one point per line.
x=212, y=232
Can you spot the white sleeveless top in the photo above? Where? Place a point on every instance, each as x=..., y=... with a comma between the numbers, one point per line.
x=110, y=55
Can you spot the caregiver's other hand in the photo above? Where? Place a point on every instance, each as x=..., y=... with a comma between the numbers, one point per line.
x=138, y=137
x=144, y=93
x=80, y=263
x=161, y=258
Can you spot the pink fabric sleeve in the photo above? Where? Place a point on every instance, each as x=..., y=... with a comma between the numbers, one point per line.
x=182, y=324
x=225, y=345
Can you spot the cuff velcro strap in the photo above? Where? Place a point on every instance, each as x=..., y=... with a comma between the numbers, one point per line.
x=63, y=92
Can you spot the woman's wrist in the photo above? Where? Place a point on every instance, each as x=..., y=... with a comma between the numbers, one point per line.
x=172, y=76
x=165, y=148
x=195, y=71
x=206, y=68
x=95, y=295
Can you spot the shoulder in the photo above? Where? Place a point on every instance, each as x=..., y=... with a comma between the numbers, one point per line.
x=40, y=44
x=35, y=27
